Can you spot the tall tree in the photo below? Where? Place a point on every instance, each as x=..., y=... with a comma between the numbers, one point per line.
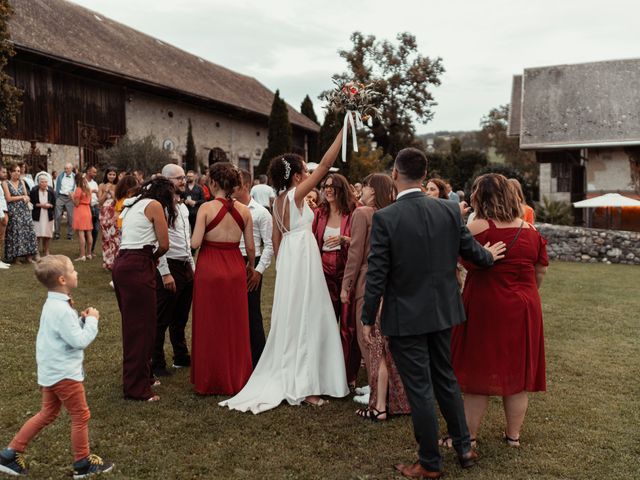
x=9, y=95
x=279, y=137
x=494, y=134
x=403, y=76
x=312, y=138
x=190, y=159
x=307, y=109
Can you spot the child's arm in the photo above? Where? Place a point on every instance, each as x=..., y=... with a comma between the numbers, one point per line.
x=77, y=336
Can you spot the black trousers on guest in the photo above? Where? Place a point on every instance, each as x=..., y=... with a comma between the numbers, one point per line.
x=173, y=313
x=134, y=279
x=256, y=327
x=95, y=220
x=424, y=364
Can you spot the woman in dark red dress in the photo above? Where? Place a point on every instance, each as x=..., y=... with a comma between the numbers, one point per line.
x=221, y=351
x=500, y=349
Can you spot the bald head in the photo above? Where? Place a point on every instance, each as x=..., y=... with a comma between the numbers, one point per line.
x=172, y=170
x=175, y=173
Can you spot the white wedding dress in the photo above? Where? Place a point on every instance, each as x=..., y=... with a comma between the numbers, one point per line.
x=303, y=354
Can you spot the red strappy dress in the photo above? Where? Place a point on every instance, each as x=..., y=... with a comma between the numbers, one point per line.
x=499, y=350
x=221, y=351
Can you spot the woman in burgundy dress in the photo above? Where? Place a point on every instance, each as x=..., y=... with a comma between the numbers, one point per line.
x=499, y=351
x=221, y=351
x=332, y=229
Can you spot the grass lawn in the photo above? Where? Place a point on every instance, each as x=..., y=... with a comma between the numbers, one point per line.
x=585, y=426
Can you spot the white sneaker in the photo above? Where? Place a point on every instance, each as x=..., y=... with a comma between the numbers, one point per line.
x=4, y=266
x=363, y=399
x=363, y=390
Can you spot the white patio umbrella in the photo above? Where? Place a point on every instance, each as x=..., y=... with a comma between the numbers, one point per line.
x=608, y=201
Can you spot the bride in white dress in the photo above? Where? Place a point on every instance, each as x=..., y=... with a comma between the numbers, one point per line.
x=302, y=358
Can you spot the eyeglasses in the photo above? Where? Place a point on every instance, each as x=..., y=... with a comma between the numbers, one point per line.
x=180, y=178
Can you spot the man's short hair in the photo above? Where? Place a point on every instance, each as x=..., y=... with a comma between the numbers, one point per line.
x=246, y=177
x=263, y=179
x=48, y=269
x=411, y=163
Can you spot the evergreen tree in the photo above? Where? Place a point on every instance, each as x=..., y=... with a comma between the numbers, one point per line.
x=190, y=159
x=9, y=95
x=307, y=109
x=279, y=138
x=312, y=138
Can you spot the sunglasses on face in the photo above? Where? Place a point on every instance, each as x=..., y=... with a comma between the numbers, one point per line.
x=331, y=187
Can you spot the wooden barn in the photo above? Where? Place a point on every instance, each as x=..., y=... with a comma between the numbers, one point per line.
x=89, y=80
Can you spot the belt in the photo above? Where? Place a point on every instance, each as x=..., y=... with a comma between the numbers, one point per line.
x=179, y=261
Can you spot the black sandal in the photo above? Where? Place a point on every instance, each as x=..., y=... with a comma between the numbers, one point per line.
x=371, y=414
x=512, y=442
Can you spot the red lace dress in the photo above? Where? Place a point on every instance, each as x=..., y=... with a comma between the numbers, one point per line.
x=221, y=352
x=499, y=350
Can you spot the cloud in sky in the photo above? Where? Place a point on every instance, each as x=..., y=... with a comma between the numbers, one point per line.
x=292, y=45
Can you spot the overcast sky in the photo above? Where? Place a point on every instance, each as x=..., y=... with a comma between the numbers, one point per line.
x=292, y=45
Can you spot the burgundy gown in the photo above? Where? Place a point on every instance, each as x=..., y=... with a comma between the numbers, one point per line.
x=499, y=350
x=221, y=351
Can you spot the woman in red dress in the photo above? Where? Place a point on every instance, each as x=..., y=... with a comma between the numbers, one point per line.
x=332, y=229
x=221, y=351
x=500, y=349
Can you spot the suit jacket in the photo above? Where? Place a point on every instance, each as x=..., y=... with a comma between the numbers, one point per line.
x=320, y=219
x=35, y=199
x=415, y=244
x=355, y=270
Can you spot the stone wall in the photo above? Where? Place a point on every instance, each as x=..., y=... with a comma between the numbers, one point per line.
x=590, y=245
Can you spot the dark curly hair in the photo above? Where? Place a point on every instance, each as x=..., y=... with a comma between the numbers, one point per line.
x=162, y=190
x=226, y=175
x=278, y=170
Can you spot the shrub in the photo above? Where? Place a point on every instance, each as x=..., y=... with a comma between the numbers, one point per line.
x=555, y=212
x=129, y=155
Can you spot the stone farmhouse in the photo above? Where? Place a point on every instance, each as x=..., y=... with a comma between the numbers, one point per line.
x=583, y=123
x=89, y=80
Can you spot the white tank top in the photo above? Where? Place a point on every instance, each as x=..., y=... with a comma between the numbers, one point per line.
x=137, y=229
x=330, y=232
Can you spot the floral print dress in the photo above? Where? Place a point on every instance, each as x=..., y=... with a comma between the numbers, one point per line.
x=20, y=239
x=110, y=234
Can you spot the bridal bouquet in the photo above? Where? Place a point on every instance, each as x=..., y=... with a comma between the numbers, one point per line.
x=356, y=100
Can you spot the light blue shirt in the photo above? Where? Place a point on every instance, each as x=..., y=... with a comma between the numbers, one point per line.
x=61, y=341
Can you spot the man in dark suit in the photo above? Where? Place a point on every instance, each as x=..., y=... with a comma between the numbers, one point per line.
x=415, y=243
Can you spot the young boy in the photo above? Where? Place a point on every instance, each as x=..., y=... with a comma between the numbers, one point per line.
x=62, y=337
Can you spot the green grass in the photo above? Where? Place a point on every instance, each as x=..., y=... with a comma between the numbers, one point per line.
x=585, y=426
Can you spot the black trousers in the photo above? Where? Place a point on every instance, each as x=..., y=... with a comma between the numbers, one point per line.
x=95, y=220
x=424, y=364
x=173, y=313
x=256, y=327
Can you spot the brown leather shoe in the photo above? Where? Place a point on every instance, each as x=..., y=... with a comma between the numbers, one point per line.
x=468, y=459
x=416, y=471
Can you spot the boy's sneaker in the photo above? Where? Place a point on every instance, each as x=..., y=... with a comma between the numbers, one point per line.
x=92, y=465
x=12, y=462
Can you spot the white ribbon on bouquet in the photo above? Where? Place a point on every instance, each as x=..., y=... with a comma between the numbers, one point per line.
x=355, y=123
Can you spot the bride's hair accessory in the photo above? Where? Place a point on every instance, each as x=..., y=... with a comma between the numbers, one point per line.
x=287, y=169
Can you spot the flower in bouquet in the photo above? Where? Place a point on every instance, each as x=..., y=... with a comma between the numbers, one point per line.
x=352, y=96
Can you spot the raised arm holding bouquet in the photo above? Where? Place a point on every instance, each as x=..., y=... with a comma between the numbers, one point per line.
x=356, y=100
